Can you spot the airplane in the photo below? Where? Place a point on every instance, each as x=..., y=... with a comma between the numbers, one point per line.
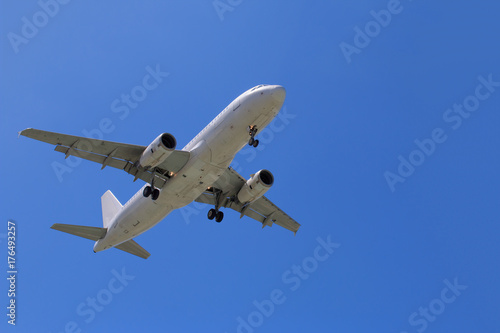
x=199, y=172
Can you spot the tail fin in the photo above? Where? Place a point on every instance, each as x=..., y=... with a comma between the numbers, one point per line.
x=110, y=207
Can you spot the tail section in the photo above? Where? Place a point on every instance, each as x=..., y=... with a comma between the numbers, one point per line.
x=96, y=233
x=110, y=207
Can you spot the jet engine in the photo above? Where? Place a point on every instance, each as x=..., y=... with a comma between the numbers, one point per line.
x=158, y=151
x=256, y=186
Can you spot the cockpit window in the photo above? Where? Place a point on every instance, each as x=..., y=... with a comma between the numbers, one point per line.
x=260, y=85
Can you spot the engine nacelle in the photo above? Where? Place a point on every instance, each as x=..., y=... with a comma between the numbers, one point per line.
x=158, y=151
x=256, y=186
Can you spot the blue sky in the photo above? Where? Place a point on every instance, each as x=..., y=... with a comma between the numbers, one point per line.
x=385, y=152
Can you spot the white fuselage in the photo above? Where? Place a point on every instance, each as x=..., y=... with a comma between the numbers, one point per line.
x=212, y=151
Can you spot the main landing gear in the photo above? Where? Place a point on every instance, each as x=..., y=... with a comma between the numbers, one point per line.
x=215, y=214
x=151, y=190
x=252, y=131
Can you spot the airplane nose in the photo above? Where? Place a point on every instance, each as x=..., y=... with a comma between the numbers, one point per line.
x=278, y=93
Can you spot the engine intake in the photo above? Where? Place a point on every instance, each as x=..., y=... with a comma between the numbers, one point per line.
x=256, y=186
x=158, y=151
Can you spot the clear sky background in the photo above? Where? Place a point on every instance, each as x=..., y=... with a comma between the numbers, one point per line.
x=411, y=250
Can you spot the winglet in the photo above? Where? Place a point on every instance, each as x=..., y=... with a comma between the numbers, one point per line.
x=23, y=132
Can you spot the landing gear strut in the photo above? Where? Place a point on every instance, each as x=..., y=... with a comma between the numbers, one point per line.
x=215, y=213
x=252, y=131
x=151, y=190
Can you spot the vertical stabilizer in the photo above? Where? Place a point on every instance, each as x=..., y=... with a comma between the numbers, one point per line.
x=110, y=207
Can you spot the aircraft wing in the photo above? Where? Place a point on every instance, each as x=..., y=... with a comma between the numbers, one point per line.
x=263, y=210
x=117, y=155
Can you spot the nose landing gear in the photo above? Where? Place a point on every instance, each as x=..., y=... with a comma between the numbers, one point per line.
x=252, y=131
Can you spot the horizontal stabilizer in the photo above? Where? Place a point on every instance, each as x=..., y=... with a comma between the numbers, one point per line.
x=133, y=248
x=92, y=233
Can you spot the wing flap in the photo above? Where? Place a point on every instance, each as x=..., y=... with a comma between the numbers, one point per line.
x=146, y=175
x=93, y=157
x=265, y=207
x=132, y=247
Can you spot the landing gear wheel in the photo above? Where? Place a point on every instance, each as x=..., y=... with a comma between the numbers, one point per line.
x=156, y=194
x=212, y=213
x=147, y=191
x=252, y=131
x=219, y=216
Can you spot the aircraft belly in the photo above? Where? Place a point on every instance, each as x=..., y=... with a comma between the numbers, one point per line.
x=187, y=185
